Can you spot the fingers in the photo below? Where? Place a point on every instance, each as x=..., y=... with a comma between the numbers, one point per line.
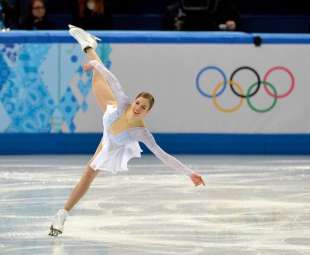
x=197, y=180
x=202, y=181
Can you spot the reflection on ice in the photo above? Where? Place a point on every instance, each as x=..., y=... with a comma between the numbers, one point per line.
x=251, y=205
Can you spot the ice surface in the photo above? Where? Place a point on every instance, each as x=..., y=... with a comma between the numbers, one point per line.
x=251, y=205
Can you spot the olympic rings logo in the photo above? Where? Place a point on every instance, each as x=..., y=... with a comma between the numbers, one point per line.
x=238, y=91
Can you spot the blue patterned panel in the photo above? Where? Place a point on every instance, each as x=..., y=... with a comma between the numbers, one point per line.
x=84, y=88
x=104, y=50
x=5, y=120
x=10, y=51
x=24, y=97
x=37, y=53
x=69, y=106
x=32, y=79
x=4, y=71
x=29, y=109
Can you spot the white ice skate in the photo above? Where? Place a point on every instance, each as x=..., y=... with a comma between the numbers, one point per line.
x=84, y=38
x=58, y=222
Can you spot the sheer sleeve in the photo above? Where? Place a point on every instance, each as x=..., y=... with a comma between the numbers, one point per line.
x=147, y=138
x=117, y=90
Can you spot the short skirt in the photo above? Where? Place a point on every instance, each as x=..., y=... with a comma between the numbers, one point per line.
x=116, y=159
x=109, y=156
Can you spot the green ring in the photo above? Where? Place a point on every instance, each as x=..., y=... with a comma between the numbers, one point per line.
x=275, y=99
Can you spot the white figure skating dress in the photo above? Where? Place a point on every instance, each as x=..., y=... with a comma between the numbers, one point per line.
x=118, y=149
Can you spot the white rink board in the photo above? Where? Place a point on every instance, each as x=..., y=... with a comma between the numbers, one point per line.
x=169, y=71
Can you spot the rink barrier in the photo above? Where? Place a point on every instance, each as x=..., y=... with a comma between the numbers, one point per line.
x=155, y=37
x=80, y=143
x=245, y=144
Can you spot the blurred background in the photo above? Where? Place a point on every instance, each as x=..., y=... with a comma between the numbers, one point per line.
x=250, y=16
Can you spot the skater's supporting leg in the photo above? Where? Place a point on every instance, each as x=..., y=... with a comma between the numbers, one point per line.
x=83, y=185
x=81, y=188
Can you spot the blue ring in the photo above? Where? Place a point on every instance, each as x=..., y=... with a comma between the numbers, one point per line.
x=208, y=68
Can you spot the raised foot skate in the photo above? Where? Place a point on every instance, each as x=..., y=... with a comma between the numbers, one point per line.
x=72, y=27
x=54, y=231
x=84, y=38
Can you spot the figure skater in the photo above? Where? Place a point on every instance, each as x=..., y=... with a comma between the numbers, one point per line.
x=123, y=129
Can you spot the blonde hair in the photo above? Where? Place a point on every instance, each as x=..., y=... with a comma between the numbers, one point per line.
x=148, y=96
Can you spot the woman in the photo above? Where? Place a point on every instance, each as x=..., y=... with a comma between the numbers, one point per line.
x=93, y=14
x=123, y=128
x=36, y=17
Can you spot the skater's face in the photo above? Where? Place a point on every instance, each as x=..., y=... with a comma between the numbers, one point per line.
x=140, y=107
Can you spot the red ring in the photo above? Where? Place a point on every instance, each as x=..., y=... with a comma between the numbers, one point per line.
x=291, y=86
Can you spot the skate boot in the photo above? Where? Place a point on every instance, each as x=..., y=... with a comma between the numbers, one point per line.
x=84, y=38
x=58, y=222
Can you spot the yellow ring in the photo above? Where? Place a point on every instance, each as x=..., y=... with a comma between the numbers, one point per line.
x=217, y=105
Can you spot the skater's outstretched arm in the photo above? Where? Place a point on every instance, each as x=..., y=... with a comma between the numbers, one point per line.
x=147, y=138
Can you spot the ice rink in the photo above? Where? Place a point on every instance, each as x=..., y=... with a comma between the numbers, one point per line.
x=251, y=205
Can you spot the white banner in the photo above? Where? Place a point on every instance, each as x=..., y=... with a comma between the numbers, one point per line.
x=183, y=78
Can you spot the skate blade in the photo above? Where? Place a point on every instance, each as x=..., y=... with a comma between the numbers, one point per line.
x=54, y=231
x=96, y=38
x=74, y=27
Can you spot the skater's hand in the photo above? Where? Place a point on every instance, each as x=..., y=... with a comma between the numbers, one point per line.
x=197, y=179
x=88, y=67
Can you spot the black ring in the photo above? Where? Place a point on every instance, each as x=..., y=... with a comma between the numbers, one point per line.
x=258, y=81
